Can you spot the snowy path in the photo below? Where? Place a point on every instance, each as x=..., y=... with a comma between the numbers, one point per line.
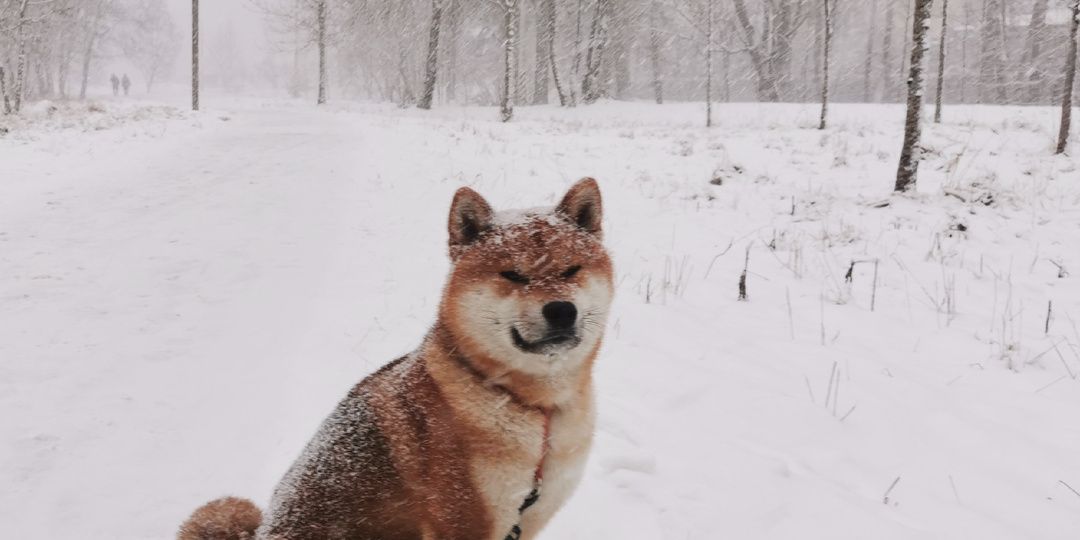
x=141, y=283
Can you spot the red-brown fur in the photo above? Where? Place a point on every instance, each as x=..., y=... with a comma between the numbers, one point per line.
x=442, y=443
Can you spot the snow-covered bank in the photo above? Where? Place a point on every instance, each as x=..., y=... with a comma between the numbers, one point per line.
x=177, y=313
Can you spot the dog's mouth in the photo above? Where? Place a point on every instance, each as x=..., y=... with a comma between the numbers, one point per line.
x=557, y=339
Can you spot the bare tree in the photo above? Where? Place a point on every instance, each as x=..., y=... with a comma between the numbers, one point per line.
x=886, y=48
x=432, y=63
x=320, y=29
x=1031, y=58
x=941, y=61
x=992, y=59
x=868, y=67
x=1070, y=77
x=150, y=38
x=564, y=99
x=770, y=50
x=512, y=20
x=97, y=19
x=194, y=55
x=4, y=92
x=307, y=19
x=20, y=39
x=825, y=71
x=545, y=37
x=654, y=53
x=598, y=36
x=908, y=169
x=708, y=62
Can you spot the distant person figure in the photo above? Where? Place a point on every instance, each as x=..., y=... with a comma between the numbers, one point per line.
x=115, y=84
x=127, y=84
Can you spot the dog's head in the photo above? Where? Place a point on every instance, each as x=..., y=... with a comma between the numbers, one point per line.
x=529, y=289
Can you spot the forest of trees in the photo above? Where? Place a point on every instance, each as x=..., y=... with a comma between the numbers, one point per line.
x=575, y=51
x=48, y=48
x=425, y=52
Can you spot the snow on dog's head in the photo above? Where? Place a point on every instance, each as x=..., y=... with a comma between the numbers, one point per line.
x=529, y=289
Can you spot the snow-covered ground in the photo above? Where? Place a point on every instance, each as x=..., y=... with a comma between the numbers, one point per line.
x=184, y=296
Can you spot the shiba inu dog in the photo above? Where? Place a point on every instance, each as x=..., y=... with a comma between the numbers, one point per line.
x=481, y=433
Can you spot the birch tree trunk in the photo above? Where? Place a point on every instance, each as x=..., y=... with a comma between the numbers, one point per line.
x=194, y=57
x=432, y=56
x=320, y=21
x=545, y=37
x=575, y=65
x=591, y=85
x=564, y=100
x=20, y=69
x=708, y=65
x=88, y=56
x=1070, y=77
x=825, y=70
x=868, y=68
x=654, y=56
x=908, y=169
x=509, y=86
x=941, y=61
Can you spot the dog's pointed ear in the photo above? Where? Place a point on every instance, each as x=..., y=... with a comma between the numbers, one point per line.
x=470, y=216
x=582, y=205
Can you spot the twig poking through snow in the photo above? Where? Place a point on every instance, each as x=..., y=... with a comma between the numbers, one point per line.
x=954, y=492
x=1070, y=487
x=810, y=389
x=742, y=277
x=887, y=491
x=790, y=317
x=873, y=291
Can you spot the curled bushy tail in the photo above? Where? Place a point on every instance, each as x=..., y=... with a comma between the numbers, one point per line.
x=228, y=518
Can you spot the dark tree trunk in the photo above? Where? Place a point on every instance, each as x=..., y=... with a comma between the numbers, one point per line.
x=941, y=61
x=591, y=85
x=320, y=20
x=907, y=172
x=509, y=85
x=432, y=67
x=88, y=55
x=4, y=92
x=194, y=57
x=1070, y=77
x=1034, y=49
x=545, y=37
x=825, y=70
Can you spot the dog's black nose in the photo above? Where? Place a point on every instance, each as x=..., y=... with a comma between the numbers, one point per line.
x=560, y=315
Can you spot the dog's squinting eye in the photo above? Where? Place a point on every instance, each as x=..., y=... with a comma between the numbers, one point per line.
x=571, y=272
x=515, y=277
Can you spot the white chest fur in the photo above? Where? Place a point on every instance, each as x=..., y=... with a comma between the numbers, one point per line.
x=505, y=476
